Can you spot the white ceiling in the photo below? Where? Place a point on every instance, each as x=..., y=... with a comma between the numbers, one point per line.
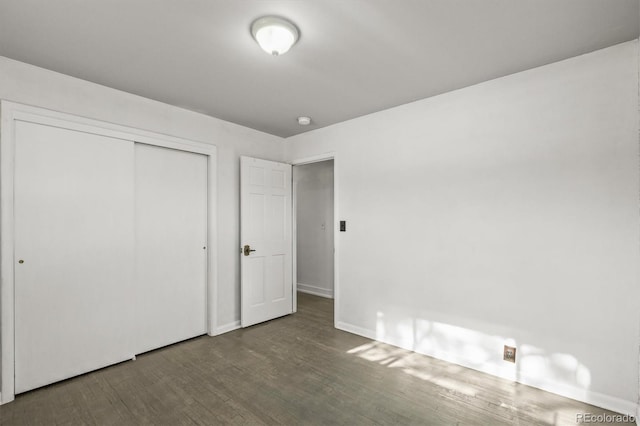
x=354, y=57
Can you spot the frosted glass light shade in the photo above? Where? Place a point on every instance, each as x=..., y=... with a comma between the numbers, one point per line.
x=274, y=35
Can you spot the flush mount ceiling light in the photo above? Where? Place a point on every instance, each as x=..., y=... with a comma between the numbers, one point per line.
x=274, y=35
x=304, y=121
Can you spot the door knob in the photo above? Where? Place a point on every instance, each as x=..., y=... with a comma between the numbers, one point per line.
x=247, y=250
x=20, y=261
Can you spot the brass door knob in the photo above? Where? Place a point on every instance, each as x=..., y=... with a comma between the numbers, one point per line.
x=247, y=250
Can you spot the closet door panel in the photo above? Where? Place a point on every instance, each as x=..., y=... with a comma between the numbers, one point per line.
x=171, y=239
x=74, y=229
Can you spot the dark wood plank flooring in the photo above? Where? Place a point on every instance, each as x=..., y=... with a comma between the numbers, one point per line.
x=293, y=370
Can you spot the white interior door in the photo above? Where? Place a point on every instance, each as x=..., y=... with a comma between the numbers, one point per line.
x=265, y=227
x=171, y=239
x=74, y=253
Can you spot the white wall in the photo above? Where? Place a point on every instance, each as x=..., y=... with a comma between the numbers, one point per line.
x=638, y=408
x=30, y=85
x=506, y=212
x=503, y=212
x=314, y=226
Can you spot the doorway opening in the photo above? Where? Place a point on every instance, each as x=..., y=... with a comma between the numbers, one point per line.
x=315, y=229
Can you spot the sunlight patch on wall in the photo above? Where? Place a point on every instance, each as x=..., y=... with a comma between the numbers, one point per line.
x=559, y=372
x=547, y=370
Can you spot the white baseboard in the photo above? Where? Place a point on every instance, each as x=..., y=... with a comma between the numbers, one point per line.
x=584, y=395
x=316, y=291
x=8, y=400
x=597, y=399
x=227, y=328
x=354, y=329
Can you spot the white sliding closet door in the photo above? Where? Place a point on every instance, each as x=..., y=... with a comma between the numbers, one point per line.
x=171, y=239
x=74, y=232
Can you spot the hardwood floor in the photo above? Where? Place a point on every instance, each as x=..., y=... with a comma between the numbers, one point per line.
x=293, y=370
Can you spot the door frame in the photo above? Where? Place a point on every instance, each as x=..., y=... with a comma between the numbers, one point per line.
x=336, y=232
x=12, y=112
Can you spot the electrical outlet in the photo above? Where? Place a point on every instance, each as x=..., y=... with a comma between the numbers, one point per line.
x=509, y=353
